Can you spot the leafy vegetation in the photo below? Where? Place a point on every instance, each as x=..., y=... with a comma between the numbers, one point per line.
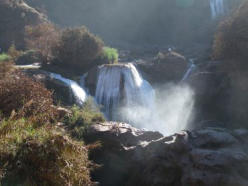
x=14, y=53
x=81, y=118
x=110, y=55
x=44, y=155
x=34, y=150
x=4, y=57
x=42, y=38
x=24, y=96
x=78, y=47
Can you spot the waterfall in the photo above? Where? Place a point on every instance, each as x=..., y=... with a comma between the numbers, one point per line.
x=217, y=8
x=191, y=68
x=121, y=86
x=78, y=92
x=127, y=97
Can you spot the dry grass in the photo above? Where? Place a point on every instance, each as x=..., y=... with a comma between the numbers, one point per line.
x=26, y=97
x=41, y=156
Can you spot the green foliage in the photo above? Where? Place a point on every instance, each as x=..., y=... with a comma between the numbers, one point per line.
x=4, y=57
x=13, y=52
x=110, y=55
x=78, y=47
x=44, y=155
x=83, y=117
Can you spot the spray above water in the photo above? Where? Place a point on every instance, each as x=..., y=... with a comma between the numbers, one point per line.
x=129, y=98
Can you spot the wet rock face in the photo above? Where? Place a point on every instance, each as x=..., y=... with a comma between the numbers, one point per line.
x=204, y=157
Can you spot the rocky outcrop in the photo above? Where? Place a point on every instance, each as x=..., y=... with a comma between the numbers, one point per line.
x=166, y=67
x=203, y=157
x=220, y=93
x=15, y=15
x=61, y=91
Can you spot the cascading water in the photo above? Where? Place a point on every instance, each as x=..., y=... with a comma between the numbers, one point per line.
x=191, y=68
x=129, y=98
x=121, y=86
x=217, y=8
x=78, y=92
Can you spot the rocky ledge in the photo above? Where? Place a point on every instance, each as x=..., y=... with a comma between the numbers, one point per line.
x=204, y=157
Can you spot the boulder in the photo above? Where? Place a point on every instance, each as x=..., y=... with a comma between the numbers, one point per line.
x=203, y=157
x=62, y=93
x=166, y=67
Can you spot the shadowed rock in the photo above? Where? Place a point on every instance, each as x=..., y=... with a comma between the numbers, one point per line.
x=204, y=157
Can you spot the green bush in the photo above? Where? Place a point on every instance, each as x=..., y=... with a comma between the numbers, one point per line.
x=83, y=117
x=4, y=57
x=110, y=55
x=45, y=155
x=78, y=47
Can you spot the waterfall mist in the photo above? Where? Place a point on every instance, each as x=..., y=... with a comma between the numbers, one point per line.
x=127, y=97
x=172, y=111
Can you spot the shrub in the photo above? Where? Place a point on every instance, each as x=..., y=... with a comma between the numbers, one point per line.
x=27, y=97
x=81, y=118
x=4, y=57
x=231, y=38
x=110, y=55
x=78, y=47
x=42, y=38
x=13, y=53
x=6, y=68
x=41, y=156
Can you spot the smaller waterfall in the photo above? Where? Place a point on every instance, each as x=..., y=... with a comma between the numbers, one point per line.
x=122, y=86
x=190, y=70
x=217, y=8
x=78, y=92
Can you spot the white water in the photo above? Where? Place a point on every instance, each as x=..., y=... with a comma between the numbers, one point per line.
x=127, y=97
x=78, y=92
x=190, y=70
x=217, y=8
x=122, y=86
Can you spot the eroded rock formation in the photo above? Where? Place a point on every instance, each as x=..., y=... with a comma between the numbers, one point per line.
x=204, y=157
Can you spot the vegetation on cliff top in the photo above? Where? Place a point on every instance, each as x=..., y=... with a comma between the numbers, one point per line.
x=110, y=55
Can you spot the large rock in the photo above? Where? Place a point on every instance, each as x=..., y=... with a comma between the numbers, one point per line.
x=220, y=93
x=15, y=15
x=204, y=157
x=62, y=93
x=167, y=67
